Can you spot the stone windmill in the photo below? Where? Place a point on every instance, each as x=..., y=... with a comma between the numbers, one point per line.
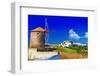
x=37, y=38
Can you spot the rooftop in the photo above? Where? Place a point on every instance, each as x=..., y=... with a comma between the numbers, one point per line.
x=39, y=29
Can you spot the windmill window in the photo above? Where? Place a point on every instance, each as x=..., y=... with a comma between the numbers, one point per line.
x=38, y=33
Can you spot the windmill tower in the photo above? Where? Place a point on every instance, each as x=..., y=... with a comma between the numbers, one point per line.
x=37, y=39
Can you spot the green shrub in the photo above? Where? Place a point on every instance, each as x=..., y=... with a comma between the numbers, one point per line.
x=66, y=50
x=78, y=48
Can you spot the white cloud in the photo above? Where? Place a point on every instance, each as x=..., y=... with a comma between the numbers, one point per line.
x=73, y=34
x=86, y=35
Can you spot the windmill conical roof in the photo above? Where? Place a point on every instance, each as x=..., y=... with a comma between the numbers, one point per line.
x=39, y=29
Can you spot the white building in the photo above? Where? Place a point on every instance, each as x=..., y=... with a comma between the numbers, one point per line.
x=66, y=44
x=79, y=44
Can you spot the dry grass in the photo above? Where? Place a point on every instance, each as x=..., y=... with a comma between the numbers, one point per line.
x=71, y=55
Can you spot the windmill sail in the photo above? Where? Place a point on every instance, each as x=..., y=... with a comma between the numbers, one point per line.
x=46, y=27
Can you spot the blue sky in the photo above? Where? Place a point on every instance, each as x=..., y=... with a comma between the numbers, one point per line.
x=61, y=28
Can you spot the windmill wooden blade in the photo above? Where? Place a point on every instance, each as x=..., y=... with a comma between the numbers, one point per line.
x=47, y=29
x=51, y=31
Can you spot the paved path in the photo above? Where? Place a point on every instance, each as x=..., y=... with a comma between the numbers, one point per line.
x=33, y=54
